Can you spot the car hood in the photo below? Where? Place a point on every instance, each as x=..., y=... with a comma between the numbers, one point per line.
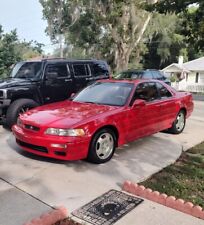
x=13, y=82
x=64, y=114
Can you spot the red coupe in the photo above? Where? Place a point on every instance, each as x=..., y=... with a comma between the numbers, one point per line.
x=103, y=116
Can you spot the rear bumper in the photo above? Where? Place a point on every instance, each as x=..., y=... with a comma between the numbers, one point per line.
x=74, y=149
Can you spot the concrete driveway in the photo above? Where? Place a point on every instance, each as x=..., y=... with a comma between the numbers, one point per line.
x=53, y=182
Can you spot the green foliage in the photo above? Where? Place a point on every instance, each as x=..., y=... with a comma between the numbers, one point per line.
x=164, y=41
x=183, y=179
x=192, y=14
x=110, y=29
x=12, y=50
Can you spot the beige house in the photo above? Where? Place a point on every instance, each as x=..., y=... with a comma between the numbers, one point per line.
x=190, y=75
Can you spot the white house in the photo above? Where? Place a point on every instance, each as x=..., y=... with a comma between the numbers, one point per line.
x=190, y=74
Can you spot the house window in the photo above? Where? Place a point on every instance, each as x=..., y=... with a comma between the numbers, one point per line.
x=197, y=76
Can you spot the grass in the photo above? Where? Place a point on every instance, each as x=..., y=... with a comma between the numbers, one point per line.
x=183, y=179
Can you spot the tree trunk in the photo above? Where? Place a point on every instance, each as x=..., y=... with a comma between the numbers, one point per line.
x=122, y=56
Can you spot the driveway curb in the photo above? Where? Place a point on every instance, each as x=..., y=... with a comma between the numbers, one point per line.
x=50, y=218
x=163, y=199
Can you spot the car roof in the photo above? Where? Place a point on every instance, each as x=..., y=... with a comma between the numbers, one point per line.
x=139, y=70
x=65, y=60
x=130, y=81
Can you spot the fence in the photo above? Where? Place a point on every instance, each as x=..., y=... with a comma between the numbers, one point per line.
x=196, y=88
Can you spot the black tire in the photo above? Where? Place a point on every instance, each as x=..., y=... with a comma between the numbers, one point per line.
x=176, y=129
x=16, y=108
x=93, y=155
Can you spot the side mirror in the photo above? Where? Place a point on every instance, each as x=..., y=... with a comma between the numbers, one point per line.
x=139, y=103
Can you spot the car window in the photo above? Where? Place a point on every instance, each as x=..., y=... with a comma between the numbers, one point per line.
x=146, y=91
x=129, y=75
x=81, y=70
x=157, y=75
x=105, y=93
x=56, y=71
x=147, y=75
x=137, y=75
x=99, y=69
x=27, y=70
x=163, y=91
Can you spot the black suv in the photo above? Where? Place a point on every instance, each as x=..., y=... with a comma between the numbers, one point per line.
x=33, y=83
x=143, y=74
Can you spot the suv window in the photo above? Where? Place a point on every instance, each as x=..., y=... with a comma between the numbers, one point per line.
x=26, y=70
x=147, y=75
x=98, y=69
x=163, y=91
x=80, y=70
x=157, y=75
x=56, y=70
x=146, y=91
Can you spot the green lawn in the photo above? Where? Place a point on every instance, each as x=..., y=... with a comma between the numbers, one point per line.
x=184, y=179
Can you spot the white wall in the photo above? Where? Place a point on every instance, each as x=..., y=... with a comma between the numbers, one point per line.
x=190, y=84
x=201, y=78
x=191, y=78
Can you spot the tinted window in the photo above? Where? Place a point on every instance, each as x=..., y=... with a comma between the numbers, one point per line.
x=137, y=75
x=27, y=70
x=80, y=70
x=56, y=70
x=147, y=75
x=146, y=91
x=157, y=75
x=124, y=75
x=105, y=93
x=99, y=69
x=163, y=91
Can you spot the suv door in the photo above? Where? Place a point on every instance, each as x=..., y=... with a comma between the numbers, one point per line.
x=99, y=70
x=82, y=74
x=58, y=82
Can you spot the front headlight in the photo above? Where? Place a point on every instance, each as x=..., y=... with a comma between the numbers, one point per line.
x=2, y=93
x=65, y=132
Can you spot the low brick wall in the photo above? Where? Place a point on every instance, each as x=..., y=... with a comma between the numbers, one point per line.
x=163, y=199
x=50, y=218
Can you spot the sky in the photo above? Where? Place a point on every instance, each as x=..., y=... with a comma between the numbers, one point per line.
x=26, y=17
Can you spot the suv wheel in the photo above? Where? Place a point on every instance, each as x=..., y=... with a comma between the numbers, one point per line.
x=17, y=107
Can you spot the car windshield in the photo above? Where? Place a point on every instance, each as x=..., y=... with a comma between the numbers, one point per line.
x=129, y=75
x=105, y=93
x=26, y=70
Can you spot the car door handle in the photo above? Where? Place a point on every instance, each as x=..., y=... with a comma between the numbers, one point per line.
x=67, y=80
x=89, y=78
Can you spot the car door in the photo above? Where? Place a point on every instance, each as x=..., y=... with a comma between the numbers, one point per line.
x=167, y=105
x=144, y=120
x=82, y=74
x=58, y=82
x=99, y=70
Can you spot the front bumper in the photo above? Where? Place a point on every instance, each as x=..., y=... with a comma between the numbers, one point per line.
x=76, y=148
x=4, y=103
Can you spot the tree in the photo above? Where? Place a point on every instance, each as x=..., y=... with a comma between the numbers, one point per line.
x=13, y=50
x=111, y=29
x=192, y=14
x=164, y=41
